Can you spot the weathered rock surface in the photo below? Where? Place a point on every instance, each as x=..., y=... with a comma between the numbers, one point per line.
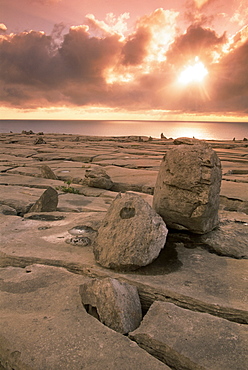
x=186, y=141
x=44, y=326
x=47, y=173
x=131, y=235
x=47, y=202
x=98, y=178
x=115, y=304
x=188, y=340
x=185, y=273
x=6, y=210
x=187, y=190
x=228, y=239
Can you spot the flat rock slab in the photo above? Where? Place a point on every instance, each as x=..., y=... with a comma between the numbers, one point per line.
x=235, y=190
x=195, y=341
x=20, y=198
x=44, y=326
x=28, y=181
x=80, y=203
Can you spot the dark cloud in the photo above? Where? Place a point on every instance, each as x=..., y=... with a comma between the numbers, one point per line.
x=137, y=71
x=197, y=41
x=135, y=49
x=230, y=81
x=87, y=57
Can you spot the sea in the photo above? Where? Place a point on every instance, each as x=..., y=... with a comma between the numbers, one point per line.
x=170, y=129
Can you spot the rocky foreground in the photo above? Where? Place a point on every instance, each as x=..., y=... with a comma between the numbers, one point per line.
x=193, y=296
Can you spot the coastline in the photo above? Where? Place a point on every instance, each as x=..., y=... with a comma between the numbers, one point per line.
x=170, y=129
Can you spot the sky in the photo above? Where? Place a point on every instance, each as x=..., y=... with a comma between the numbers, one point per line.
x=133, y=59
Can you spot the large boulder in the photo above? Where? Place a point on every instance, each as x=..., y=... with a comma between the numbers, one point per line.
x=115, y=304
x=131, y=235
x=47, y=202
x=187, y=190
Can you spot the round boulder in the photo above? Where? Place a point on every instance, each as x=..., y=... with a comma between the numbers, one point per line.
x=131, y=235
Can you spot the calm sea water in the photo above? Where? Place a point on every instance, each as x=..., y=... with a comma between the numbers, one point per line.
x=174, y=129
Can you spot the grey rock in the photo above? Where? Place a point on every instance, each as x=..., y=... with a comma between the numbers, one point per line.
x=81, y=241
x=184, y=339
x=186, y=141
x=131, y=235
x=39, y=140
x=229, y=239
x=47, y=173
x=97, y=178
x=187, y=189
x=82, y=235
x=47, y=202
x=114, y=303
x=6, y=210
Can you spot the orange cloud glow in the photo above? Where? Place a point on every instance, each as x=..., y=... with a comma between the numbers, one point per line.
x=104, y=63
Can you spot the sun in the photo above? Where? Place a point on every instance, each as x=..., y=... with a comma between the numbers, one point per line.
x=194, y=73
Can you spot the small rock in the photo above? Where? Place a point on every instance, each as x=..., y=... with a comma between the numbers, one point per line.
x=131, y=235
x=47, y=202
x=115, y=304
x=47, y=173
x=30, y=132
x=6, y=210
x=81, y=241
x=39, y=140
x=186, y=141
x=187, y=190
x=98, y=178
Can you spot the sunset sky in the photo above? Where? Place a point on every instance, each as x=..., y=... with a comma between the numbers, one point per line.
x=133, y=59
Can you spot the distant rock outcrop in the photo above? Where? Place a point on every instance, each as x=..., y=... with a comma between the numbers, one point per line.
x=131, y=235
x=39, y=140
x=114, y=303
x=97, y=178
x=187, y=190
x=47, y=202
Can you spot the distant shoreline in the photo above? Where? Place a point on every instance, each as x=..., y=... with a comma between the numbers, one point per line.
x=125, y=138
x=154, y=129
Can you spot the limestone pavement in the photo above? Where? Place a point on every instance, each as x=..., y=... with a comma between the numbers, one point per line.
x=196, y=289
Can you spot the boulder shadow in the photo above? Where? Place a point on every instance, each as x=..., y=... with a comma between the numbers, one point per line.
x=166, y=263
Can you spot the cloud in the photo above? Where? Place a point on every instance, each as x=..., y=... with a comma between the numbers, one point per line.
x=197, y=41
x=99, y=63
x=241, y=14
x=3, y=28
x=201, y=3
x=136, y=47
x=230, y=82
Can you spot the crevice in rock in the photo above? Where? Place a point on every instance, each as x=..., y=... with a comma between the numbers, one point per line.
x=147, y=294
x=92, y=311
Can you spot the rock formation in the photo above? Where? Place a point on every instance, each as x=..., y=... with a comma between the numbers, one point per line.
x=131, y=235
x=47, y=173
x=47, y=202
x=97, y=178
x=187, y=190
x=115, y=304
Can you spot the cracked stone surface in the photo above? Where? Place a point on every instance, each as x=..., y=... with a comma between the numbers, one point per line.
x=44, y=323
